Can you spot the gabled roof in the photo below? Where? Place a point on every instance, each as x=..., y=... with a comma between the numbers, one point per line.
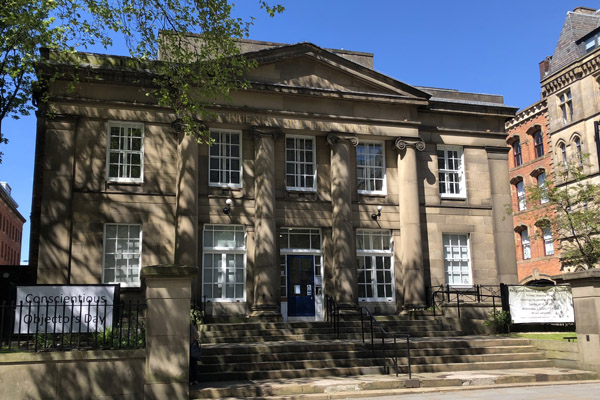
x=382, y=83
x=578, y=23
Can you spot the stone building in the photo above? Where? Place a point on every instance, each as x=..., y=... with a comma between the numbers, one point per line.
x=11, y=228
x=325, y=178
x=566, y=121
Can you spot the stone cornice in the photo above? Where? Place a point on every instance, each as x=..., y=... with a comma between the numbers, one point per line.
x=587, y=65
x=527, y=114
x=334, y=137
x=260, y=131
x=403, y=142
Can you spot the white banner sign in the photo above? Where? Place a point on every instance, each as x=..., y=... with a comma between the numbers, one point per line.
x=553, y=304
x=64, y=309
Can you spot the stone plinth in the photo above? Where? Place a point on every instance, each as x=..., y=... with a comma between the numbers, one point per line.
x=168, y=295
x=586, y=300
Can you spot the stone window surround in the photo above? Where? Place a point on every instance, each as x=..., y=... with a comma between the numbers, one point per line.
x=369, y=167
x=467, y=259
x=296, y=163
x=373, y=254
x=124, y=151
x=462, y=194
x=565, y=104
x=116, y=252
x=220, y=157
x=225, y=250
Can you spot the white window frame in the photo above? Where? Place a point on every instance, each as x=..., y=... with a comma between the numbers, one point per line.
x=447, y=251
x=368, y=167
x=525, y=244
x=105, y=254
x=125, y=152
x=462, y=194
x=298, y=165
x=563, y=155
x=578, y=151
x=373, y=254
x=521, y=196
x=548, y=241
x=221, y=158
x=224, y=251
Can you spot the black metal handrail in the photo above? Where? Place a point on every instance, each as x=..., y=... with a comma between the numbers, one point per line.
x=333, y=314
x=445, y=294
x=384, y=334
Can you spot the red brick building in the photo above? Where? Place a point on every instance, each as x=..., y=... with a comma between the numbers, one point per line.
x=530, y=162
x=11, y=228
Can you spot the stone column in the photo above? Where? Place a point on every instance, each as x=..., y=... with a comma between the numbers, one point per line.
x=186, y=219
x=411, y=249
x=266, y=267
x=344, y=253
x=168, y=294
x=504, y=239
x=586, y=302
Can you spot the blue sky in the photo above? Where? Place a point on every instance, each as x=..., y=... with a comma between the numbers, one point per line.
x=470, y=45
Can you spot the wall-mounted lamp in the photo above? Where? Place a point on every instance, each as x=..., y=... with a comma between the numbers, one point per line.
x=374, y=216
x=227, y=208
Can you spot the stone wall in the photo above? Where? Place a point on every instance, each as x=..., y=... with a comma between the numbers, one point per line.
x=106, y=375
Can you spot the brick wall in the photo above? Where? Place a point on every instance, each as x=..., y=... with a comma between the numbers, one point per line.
x=11, y=231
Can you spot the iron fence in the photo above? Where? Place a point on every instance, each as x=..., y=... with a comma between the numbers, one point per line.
x=69, y=326
x=445, y=294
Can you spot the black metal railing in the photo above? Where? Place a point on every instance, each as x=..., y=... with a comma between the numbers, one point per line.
x=68, y=326
x=445, y=294
x=373, y=323
x=333, y=317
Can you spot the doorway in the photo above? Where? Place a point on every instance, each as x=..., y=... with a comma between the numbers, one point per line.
x=301, y=286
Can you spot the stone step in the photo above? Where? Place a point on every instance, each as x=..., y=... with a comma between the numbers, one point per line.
x=216, y=357
x=307, y=362
x=290, y=373
x=384, y=385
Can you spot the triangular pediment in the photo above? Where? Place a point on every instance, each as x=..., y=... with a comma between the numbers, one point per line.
x=306, y=66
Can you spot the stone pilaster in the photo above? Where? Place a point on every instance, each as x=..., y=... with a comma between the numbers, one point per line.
x=186, y=228
x=411, y=249
x=344, y=254
x=504, y=240
x=266, y=267
x=168, y=294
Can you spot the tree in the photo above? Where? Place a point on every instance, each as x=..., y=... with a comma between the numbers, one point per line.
x=188, y=72
x=571, y=209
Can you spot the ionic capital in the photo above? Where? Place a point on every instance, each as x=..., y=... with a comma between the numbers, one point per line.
x=333, y=138
x=403, y=142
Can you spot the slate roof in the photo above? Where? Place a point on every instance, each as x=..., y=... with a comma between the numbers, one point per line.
x=578, y=23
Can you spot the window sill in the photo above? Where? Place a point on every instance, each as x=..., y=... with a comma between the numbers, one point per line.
x=373, y=194
x=124, y=182
x=226, y=186
x=457, y=198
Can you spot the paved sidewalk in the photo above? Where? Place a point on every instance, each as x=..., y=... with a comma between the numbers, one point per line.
x=566, y=391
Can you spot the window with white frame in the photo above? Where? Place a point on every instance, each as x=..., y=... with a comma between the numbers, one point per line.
x=517, y=155
x=541, y=181
x=122, y=255
x=563, y=154
x=370, y=167
x=224, y=161
x=457, y=259
x=578, y=151
x=224, y=262
x=300, y=163
x=125, y=152
x=566, y=106
x=306, y=241
x=538, y=140
x=374, y=255
x=525, y=244
x=548, y=241
x=451, y=172
x=522, y=198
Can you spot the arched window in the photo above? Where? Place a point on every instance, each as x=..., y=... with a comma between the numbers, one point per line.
x=538, y=141
x=577, y=141
x=525, y=245
x=521, y=195
x=563, y=154
x=517, y=153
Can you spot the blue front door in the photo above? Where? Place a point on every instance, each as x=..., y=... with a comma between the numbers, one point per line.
x=301, y=286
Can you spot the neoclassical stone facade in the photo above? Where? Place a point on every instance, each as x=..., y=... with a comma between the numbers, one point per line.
x=325, y=178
